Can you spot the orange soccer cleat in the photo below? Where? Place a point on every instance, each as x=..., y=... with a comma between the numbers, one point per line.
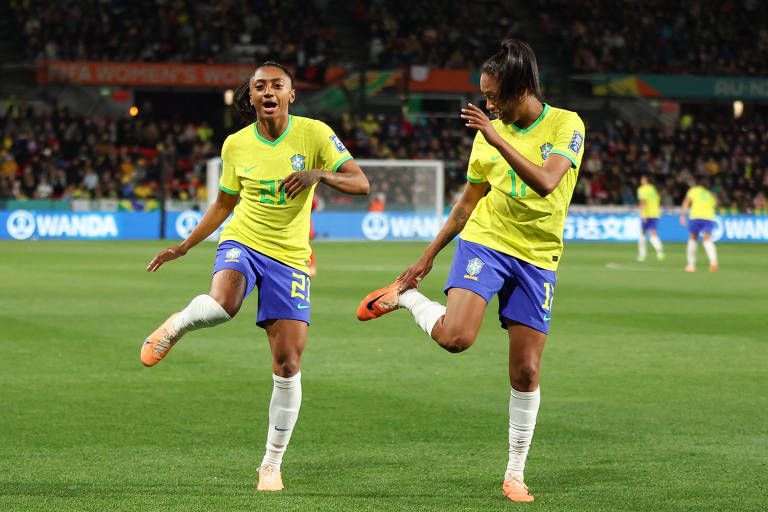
x=159, y=342
x=713, y=267
x=270, y=479
x=380, y=302
x=515, y=489
x=690, y=268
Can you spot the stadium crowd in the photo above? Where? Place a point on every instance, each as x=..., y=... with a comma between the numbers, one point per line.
x=175, y=31
x=732, y=154
x=246, y=32
x=60, y=155
x=626, y=36
x=721, y=38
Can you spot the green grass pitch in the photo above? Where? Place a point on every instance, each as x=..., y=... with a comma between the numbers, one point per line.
x=654, y=389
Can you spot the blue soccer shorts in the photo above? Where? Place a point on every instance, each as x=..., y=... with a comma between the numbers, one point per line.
x=696, y=226
x=650, y=223
x=525, y=291
x=283, y=290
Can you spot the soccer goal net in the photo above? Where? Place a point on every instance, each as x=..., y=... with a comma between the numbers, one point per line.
x=415, y=186
x=406, y=201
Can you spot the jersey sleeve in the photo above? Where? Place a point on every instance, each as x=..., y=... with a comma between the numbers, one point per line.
x=476, y=172
x=330, y=150
x=689, y=194
x=640, y=194
x=228, y=182
x=569, y=139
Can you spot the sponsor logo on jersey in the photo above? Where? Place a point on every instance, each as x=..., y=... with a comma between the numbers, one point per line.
x=576, y=142
x=336, y=142
x=297, y=162
x=474, y=266
x=233, y=255
x=545, y=149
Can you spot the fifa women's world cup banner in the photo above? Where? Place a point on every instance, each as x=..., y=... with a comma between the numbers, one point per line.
x=375, y=226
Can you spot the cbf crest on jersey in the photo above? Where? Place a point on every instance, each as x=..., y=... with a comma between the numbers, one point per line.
x=576, y=142
x=297, y=162
x=545, y=149
x=233, y=254
x=336, y=142
x=474, y=266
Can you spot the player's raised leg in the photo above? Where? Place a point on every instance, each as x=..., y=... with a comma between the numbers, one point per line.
x=454, y=326
x=219, y=305
x=287, y=339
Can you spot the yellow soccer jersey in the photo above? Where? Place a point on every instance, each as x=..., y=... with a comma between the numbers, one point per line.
x=703, y=203
x=512, y=218
x=265, y=219
x=650, y=195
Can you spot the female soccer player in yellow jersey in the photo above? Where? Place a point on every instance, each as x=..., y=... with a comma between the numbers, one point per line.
x=702, y=204
x=511, y=237
x=272, y=167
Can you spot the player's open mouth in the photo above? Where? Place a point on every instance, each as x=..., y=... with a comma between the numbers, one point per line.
x=270, y=107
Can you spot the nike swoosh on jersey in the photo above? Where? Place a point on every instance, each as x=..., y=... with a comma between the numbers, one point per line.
x=249, y=169
x=494, y=158
x=302, y=306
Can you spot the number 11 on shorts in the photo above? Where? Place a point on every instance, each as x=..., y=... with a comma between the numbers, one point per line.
x=550, y=291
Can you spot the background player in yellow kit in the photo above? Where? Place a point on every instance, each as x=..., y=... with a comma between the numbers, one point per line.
x=272, y=166
x=702, y=204
x=511, y=238
x=649, y=200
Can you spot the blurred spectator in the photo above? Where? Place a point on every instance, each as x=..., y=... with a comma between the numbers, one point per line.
x=626, y=36
x=62, y=155
x=177, y=31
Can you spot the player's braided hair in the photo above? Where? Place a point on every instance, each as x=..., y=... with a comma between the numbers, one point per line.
x=242, y=98
x=516, y=69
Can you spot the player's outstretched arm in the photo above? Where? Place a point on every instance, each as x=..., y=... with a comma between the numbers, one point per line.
x=541, y=178
x=214, y=216
x=458, y=218
x=348, y=178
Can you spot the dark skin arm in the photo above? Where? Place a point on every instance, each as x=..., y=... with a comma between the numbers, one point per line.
x=541, y=178
x=348, y=178
x=460, y=213
x=214, y=216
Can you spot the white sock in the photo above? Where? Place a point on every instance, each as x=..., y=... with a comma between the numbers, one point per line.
x=523, y=407
x=656, y=243
x=203, y=311
x=283, y=413
x=691, y=252
x=641, y=252
x=709, y=247
x=424, y=311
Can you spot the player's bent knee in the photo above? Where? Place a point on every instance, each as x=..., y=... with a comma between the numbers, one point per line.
x=287, y=367
x=525, y=377
x=456, y=342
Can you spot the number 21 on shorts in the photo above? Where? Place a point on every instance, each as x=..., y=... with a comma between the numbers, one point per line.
x=300, y=286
